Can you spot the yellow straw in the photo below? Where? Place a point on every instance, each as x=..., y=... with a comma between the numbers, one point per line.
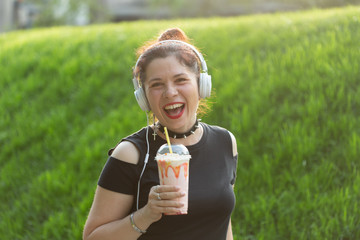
x=167, y=139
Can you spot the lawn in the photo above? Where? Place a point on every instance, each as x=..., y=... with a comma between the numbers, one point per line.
x=286, y=85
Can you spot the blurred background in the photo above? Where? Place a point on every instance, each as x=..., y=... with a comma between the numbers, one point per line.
x=286, y=84
x=25, y=14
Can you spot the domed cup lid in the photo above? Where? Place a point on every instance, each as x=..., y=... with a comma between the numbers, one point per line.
x=176, y=149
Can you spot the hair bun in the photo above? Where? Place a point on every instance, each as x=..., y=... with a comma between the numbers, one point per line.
x=173, y=34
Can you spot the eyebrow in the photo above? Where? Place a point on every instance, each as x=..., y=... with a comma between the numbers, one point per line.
x=175, y=76
x=154, y=79
x=180, y=74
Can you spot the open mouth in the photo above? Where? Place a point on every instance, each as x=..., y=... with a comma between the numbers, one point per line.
x=174, y=110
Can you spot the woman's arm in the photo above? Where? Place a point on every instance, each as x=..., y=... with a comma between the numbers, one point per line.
x=229, y=235
x=109, y=215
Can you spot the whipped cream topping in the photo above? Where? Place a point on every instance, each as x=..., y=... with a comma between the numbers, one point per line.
x=172, y=157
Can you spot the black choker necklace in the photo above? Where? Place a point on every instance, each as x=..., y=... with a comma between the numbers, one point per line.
x=177, y=135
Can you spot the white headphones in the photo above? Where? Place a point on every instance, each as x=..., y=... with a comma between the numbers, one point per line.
x=204, y=80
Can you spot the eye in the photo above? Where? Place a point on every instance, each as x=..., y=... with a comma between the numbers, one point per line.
x=155, y=84
x=180, y=80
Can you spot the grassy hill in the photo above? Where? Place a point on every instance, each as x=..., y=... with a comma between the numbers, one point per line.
x=286, y=85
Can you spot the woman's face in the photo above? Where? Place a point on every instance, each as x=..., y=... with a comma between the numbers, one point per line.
x=172, y=91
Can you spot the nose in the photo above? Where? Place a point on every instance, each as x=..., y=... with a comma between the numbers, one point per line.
x=170, y=91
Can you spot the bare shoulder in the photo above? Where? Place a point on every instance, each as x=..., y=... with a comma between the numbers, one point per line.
x=234, y=145
x=126, y=151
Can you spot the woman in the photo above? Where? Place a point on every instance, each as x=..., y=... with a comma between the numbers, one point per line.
x=170, y=79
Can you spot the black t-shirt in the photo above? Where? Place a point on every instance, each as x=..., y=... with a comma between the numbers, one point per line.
x=212, y=173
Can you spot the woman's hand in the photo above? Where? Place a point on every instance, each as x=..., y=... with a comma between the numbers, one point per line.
x=163, y=200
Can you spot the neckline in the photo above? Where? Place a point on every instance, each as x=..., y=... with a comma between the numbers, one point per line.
x=176, y=135
x=189, y=147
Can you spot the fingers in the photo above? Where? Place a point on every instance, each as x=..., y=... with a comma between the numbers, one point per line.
x=166, y=188
x=164, y=199
x=166, y=192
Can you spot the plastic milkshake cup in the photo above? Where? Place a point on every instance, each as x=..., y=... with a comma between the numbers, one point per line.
x=173, y=169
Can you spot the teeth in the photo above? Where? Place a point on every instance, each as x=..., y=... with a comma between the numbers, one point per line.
x=174, y=106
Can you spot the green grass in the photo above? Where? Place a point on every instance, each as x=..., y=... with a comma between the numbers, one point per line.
x=286, y=85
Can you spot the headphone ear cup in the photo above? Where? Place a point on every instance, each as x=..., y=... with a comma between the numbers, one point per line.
x=204, y=85
x=141, y=99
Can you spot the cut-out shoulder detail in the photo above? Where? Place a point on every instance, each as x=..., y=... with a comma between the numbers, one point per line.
x=234, y=145
x=127, y=152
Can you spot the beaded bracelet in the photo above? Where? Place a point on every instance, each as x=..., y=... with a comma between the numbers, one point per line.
x=134, y=226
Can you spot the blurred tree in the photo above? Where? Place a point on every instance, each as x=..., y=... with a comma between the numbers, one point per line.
x=222, y=7
x=189, y=8
x=69, y=12
x=81, y=12
x=317, y=3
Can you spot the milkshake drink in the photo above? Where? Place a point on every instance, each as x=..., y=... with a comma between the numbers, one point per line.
x=174, y=169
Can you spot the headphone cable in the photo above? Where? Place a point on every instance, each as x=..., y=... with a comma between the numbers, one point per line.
x=145, y=161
